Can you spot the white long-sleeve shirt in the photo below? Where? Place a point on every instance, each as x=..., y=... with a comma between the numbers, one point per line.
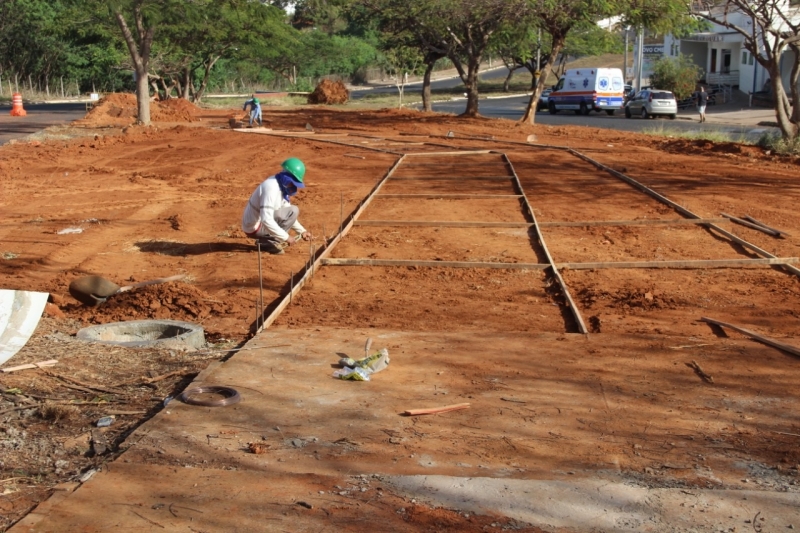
x=260, y=210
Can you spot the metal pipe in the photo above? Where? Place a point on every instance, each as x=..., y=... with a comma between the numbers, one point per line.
x=291, y=287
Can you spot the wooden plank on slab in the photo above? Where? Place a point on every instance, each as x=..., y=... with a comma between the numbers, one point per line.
x=435, y=410
x=443, y=224
x=788, y=348
x=701, y=263
x=434, y=264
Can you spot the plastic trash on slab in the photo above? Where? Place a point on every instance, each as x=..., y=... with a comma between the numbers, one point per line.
x=362, y=369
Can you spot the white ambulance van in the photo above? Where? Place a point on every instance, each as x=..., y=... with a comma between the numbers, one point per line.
x=588, y=89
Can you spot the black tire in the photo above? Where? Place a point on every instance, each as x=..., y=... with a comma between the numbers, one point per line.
x=644, y=113
x=627, y=112
x=551, y=106
x=584, y=110
x=610, y=112
x=672, y=116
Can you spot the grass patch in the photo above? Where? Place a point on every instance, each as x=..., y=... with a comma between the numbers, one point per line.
x=238, y=102
x=779, y=145
x=706, y=135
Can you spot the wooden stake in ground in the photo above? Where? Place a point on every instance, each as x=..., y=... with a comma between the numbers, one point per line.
x=699, y=371
x=435, y=410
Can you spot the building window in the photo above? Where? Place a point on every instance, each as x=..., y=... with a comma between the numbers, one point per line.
x=744, y=57
x=750, y=61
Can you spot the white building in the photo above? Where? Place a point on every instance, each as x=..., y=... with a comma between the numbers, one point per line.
x=721, y=54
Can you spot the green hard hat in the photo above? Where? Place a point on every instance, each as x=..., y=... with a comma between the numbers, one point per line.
x=295, y=167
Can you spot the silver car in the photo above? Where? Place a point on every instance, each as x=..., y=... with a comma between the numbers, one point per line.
x=543, y=99
x=652, y=102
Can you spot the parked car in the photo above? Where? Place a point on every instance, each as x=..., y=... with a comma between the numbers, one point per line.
x=543, y=99
x=650, y=103
x=628, y=91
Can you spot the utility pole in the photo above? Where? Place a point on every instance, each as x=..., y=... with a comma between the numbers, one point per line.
x=538, y=59
x=639, y=58
x=625, y=67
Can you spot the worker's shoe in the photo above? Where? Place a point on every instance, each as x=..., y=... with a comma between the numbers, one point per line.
x=270, y=246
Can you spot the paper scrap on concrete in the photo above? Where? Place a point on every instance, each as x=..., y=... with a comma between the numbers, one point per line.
x=20, y=312
x=67, y=231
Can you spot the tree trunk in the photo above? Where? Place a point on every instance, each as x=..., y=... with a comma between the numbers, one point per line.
x=208, y=65
x=530, y=110
x=426, y=85
x=507, y=82
x=187, y=81
x=472, y=90
x=142, y=97
x=140, y=55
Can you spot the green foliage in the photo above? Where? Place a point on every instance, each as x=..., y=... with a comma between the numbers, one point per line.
x=678, y=75
x=592, y=40
x=780, y=144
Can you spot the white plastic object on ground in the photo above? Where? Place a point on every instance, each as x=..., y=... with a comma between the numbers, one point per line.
x=20, y=312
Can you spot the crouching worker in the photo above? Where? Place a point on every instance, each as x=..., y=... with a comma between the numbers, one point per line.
x=269, y=215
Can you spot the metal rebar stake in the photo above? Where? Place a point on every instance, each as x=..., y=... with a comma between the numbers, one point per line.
x=260, y=290
x=291, y=287
x=341, y=211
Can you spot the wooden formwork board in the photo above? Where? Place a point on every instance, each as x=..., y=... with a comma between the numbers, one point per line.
x=794, y=350
x=563, y=284
x=316, y=261
x=459, y=178
x=655, y=222
x=443, y=224
x=432, y=264
x=681, y=264
x=682, y=210
x=690, y=264
x=434, y=196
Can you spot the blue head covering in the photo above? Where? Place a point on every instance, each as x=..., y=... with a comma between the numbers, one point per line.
x=288, y=184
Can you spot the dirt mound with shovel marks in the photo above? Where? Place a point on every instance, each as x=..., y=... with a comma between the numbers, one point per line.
x=118, y=109
x=329, y=92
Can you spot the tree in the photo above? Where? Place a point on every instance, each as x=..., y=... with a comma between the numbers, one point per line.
x=468, y=28
x=400, y=59
x=557, y=18
x=769, y=28
x=457, y=29
x=678, y=75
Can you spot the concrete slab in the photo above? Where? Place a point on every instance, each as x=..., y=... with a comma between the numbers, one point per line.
x=609, y=506
x=552, y=438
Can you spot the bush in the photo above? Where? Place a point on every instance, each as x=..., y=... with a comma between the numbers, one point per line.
x=779, y=145
x=678, y=75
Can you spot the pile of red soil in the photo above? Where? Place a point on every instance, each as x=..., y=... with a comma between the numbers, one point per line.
x=329, y=92
x=118, y=109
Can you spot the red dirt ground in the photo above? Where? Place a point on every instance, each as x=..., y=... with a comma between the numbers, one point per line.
x=167, y=199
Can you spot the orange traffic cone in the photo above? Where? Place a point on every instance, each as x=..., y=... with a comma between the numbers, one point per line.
x=16, y=106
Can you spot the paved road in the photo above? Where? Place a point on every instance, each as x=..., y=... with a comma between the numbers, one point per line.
x=415, y=88
x=513, y=108
x=40, y=116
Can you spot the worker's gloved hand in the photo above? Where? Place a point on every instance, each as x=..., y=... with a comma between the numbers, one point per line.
x=307, y=236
